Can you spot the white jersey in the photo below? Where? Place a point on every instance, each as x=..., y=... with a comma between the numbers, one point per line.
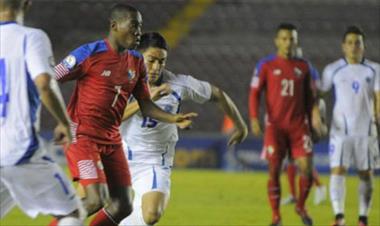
x=148, y=140
x=354, y=89
x=24, y=54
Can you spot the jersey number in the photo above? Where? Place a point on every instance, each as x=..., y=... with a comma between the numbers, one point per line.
x=356, y=86
x=287, y=87
x=149, y=122
x=118, y=91
x=4, y=96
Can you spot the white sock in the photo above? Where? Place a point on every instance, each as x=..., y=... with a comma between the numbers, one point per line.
x=135, y=218
x=70, y=221
x=365, y=196
x=337, y=193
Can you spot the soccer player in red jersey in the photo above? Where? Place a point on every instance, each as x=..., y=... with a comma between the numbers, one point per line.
x=290, y=105
x=107, y=72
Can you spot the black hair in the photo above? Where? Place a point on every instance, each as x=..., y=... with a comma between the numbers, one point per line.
x=286, y=26
x=353, y=30
x=152, y=39
x=121, y=11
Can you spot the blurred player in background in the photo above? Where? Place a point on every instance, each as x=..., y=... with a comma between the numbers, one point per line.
x=151, y=143
x=353, y=134
x=290, y=105
x=107, y=72
x=34, y=180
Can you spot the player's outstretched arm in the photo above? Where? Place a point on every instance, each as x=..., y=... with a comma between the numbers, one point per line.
x=52, y=103
x=228, y=106
x=156, y=93
x=150, y=109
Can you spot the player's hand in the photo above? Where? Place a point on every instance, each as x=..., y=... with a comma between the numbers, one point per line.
x=185, y=124
x=255, y=127
x=319, y=128
x=238, y=135
x=62, y=134
x=160, y=91
x=184, y=121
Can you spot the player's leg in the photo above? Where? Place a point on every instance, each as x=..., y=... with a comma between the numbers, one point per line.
x=275, y=151
x=301, y=150
x=120, y=190
x=339, y=163
x=364, y=161
x=151, y=185
x=291, y=171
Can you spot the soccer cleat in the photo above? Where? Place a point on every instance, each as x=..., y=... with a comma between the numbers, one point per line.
x=339, y=220
x=363, y=221
x=288, y=200
x=306, y=219
x=276, y=221
x=319, y=195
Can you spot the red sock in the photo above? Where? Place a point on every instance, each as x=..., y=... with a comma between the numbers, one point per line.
x=53, y=222
x=291, y=170
x=316, y=179
x=102, y=218
x=304, y=188
x=274, y=195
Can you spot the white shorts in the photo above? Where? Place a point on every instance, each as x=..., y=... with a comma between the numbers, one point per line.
x=6, y=200
x=363, y=152
x=148, y=178
x=40, y=186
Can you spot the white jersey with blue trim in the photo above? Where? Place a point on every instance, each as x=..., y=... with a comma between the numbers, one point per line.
x=354, y=89
x=25, y=53
x=148, y=140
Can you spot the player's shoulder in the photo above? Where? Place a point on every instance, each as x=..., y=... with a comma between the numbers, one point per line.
x=335, y=66
x=180, y=80
x=266, y=60
x=86, y=51
x=134, y=53
x=33, y=34
x=371, y=64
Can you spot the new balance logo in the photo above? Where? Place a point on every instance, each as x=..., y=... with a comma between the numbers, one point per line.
x=106, y=73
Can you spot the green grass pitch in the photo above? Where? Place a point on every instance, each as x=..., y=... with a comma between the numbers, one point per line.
x=203, y=197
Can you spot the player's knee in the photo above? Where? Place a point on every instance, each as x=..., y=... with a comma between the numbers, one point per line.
x=338, y=171
x=365, y=175
x=151, y=216
x=93, y=204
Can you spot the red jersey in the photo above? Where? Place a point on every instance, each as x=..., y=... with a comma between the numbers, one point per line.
x=105, y=80
x=289, y=88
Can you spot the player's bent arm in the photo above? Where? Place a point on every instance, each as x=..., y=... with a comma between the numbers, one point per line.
x=130, y=110
x=150, y=109
x=229, y=107
x=50, y=99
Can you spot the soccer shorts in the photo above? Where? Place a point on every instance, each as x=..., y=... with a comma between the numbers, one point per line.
x=279, y=142
x=90, y=163
x=40, y=186
x=149, y=178
x=363, y=152
x=6, y=200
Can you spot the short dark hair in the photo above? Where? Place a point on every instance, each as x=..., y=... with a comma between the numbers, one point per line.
x=353, y=30
x=11, y=4
x=152, y=39
x=286, y=26
x=121, y=11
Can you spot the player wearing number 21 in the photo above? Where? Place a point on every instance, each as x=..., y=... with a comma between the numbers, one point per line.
x=107, y=72
x=290, y=98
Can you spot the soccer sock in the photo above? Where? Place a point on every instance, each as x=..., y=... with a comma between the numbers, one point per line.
x=102, y=218
x=337, y=193
x=53, y=222
x=291, y=170
x=70, y=221
x=305, y=183
x=316, y=179
x=274, y=195
x=135, y=219
x=365, y=196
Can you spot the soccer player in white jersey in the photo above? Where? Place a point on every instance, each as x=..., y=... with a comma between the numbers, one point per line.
x=33, y=179
x=353, y=134
x=149, y=144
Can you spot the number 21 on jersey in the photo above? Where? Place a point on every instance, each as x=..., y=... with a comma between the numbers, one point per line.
x=287, y=87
